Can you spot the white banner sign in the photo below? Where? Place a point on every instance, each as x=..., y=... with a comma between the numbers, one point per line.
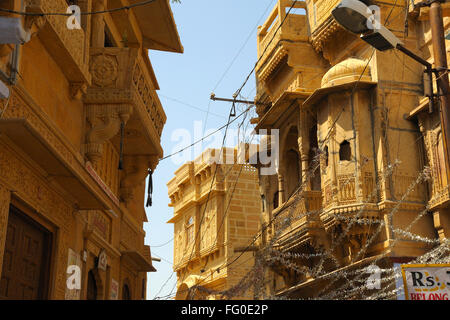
x=426, y=281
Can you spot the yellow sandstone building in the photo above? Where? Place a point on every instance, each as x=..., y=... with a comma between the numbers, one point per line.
x=80, y=102
x=356, y=141
x=216, y=215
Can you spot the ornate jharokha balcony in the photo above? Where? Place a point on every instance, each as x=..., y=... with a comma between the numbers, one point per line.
x=123, y=90
x=297, y=221
x=288, y=68
x=293, y=29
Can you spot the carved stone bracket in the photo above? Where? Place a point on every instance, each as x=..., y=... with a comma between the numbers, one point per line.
x=34, y=24
x=135, y=171
x=104, y=120
x=77, y=89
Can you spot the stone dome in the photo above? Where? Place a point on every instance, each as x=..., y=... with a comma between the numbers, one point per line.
x=346, y=71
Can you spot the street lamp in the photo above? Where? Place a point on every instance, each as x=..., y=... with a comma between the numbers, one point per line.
x=12, y=32
x=356, y=17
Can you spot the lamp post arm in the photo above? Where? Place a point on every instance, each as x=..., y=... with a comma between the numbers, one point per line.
x=414, y=56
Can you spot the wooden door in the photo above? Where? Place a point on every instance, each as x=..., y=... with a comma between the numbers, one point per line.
x=25, y=261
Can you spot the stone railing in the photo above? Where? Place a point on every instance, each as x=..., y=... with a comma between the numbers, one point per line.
x=297, y=213
x=405, y=183
x=147, y=94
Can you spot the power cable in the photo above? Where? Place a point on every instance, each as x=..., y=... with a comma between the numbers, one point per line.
x=265, y=49
x=203, y=138
x=190, y=105
x=162, y=245
x=238, y=92
x=131, y=6
x=235, y=58
x=209, y=193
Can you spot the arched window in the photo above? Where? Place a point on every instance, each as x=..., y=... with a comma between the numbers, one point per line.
x=290, y=164
x=345, y=151
x=126, y=295
x=326, y=156
x=275, y=199
x=91, y=287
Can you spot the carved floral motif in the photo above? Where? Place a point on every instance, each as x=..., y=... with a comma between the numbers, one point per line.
x=104, y=70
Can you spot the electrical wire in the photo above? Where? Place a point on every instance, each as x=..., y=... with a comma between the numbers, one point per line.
x=265, y=49
x=234, y=60
x=298, y=189
x=322, y=144
x=162, y=245
x=131, y=6
x=190, y=105
x=203, y=138
x=209, y=193
x=238, y=92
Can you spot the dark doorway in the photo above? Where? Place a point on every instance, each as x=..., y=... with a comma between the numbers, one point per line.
x=91, y=287
x=126, y=292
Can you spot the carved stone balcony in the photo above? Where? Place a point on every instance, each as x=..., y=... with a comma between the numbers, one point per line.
x=289, y=68
x=297, y=222
x=294, y=28
x=123, y=91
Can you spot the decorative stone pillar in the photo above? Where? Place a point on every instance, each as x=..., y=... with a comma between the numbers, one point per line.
x=281, y=197
x=306, y=177
x=303, y=146
x=98, y=25
x=441, y=221
x=5, y=197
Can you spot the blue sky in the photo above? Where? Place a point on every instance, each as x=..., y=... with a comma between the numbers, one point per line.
x=216, y=34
